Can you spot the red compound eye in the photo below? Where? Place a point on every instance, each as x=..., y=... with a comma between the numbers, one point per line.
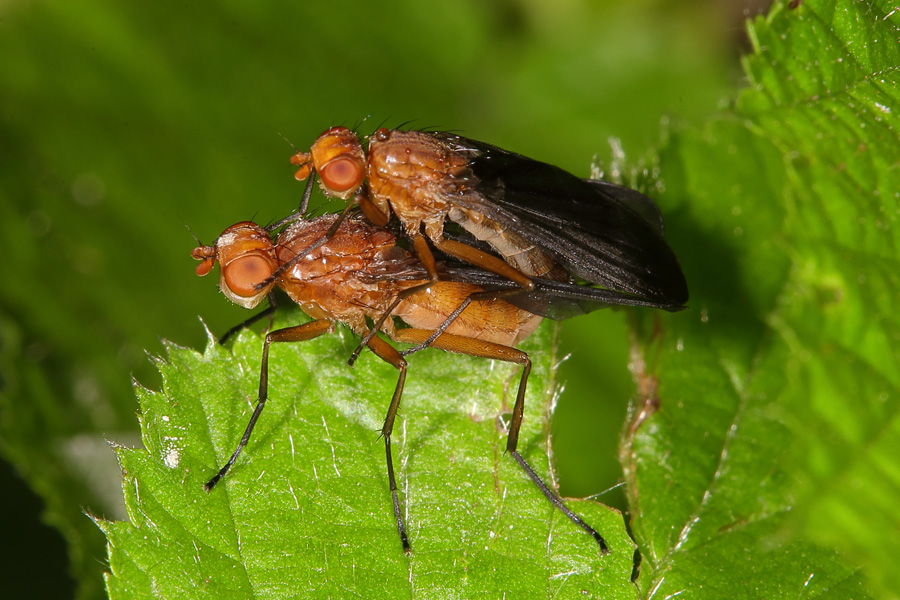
x=342, y=174
x=243, y=274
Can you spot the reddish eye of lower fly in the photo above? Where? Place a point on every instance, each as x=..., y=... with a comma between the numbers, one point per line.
x=243, y=274
x=341, y=174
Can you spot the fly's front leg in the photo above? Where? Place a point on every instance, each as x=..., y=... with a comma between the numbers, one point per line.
x=269, y=312
x=300, y=333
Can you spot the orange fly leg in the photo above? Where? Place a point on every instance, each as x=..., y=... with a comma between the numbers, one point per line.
x=377, y=215
x=390, y=355
x=300, y=333
x=484, y=260
x=269, y=312
x=465, y=253
x=488, y=299
x=426, y=258
x=483, y=349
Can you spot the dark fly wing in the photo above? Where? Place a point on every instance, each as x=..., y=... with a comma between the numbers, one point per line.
x=556, y=300
x=633, y=200
x=585, y=227
x=560, y=300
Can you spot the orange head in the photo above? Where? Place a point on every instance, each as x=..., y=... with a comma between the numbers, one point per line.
x=246, y=255
x=338, y=158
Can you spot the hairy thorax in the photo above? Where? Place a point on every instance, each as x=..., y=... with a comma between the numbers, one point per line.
x=414, y=175
x=334, y=281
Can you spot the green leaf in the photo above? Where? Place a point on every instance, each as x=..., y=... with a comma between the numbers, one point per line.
x=770, y=428
x=307, y=509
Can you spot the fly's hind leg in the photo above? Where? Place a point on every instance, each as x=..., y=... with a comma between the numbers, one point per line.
x=473, y=347
x=390, y=355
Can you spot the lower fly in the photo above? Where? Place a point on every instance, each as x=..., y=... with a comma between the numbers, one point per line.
x=358, y=273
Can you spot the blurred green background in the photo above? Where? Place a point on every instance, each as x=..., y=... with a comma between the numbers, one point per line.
x=121, y=122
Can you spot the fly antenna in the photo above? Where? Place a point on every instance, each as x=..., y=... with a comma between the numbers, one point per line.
x=290, y=143
x=194, y=235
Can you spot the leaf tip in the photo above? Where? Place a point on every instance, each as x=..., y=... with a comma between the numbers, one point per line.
x=211, y=340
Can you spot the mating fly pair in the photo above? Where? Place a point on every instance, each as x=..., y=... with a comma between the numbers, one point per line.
x=529, y=236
